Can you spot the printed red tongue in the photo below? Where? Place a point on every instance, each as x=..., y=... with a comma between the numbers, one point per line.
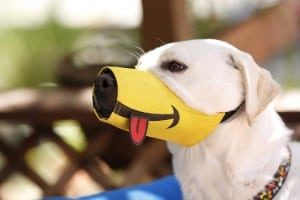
x=138, y=126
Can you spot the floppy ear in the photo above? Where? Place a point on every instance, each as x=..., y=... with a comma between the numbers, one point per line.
x=260, y=89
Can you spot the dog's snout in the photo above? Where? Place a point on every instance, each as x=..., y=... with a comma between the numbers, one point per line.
x=105, y=94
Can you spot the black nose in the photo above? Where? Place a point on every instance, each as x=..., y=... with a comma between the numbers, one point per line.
x=105, y=94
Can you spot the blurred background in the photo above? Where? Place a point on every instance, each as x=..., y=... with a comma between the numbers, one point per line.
x=50, y=51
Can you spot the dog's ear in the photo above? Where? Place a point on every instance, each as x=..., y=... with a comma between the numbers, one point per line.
x=259, y=87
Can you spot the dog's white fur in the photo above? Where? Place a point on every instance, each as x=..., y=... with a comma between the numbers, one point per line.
x=240, y=157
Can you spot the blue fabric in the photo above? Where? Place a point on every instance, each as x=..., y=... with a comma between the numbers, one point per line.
x=163, y=189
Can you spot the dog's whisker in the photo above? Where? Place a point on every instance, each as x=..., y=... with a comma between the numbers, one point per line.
x=138, y=53
x=142, y=51
x=134, y=55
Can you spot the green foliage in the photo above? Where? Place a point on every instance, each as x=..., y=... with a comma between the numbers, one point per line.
x=28, y=57
x=71, y=132
x=207, y=28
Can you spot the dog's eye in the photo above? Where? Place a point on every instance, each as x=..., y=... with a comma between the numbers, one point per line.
x=174, y=66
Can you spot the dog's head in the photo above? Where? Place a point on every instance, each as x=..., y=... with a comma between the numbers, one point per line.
x=206, y=76
x=212, y=76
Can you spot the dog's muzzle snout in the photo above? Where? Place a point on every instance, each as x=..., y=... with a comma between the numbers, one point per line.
x=105, y=94
x=139, y=102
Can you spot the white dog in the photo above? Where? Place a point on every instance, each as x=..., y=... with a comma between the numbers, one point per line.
x=240, y=158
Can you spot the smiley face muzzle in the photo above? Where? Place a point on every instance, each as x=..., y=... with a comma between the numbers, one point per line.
x=138, y=102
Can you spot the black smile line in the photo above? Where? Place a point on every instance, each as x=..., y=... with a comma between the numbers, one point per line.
x=125, y=111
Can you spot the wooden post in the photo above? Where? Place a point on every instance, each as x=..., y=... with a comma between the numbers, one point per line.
x=164, y=21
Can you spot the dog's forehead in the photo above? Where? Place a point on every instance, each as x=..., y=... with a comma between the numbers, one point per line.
x=202, y=46
x=187, y=51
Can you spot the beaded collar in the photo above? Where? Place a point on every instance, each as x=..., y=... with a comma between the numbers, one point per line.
x=273, y=187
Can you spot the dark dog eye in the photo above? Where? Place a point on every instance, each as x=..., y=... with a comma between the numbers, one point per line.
x=174, y=66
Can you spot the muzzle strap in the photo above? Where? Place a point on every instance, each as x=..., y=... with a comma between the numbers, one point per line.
x=230, y=113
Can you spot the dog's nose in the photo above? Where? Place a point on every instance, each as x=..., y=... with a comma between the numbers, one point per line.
x=105, y=94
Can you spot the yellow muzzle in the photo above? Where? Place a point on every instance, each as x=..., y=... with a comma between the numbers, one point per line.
x=138, y=102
